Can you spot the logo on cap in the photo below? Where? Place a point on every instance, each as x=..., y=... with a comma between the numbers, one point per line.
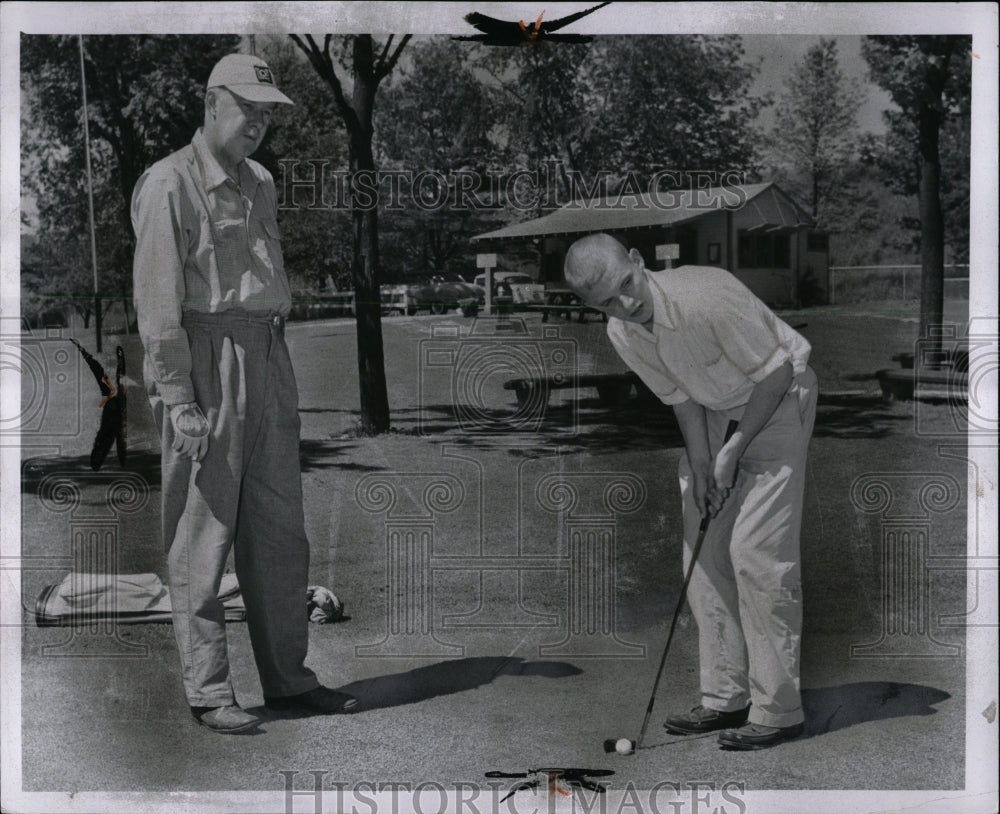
x=264, y=74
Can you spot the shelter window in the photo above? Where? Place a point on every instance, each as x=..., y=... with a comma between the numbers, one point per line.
x=764, y=251
x=817, y=242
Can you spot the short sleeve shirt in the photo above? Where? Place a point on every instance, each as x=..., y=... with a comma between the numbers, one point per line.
x=712, y=339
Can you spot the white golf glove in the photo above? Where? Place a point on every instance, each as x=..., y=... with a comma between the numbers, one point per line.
x=191, y=430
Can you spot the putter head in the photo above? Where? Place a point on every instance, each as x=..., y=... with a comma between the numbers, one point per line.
x=619, y=746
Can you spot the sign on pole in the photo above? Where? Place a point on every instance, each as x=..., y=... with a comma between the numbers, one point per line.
x=488, y=262
x=668, y=252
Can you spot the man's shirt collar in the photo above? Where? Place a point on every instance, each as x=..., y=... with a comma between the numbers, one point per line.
x=661, y=311
x=211, y=170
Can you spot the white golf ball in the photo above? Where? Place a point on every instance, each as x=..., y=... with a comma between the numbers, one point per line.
x=623, y=746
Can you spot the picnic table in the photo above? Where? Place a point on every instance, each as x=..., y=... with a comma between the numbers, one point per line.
x=565, y=302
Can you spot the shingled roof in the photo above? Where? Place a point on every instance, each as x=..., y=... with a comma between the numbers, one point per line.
x=770, y=207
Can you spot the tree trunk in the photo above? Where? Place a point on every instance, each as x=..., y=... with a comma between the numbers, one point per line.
x=368, y=301
x=931, y=217
x=931, y=237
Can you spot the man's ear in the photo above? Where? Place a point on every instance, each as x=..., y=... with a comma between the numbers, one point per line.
x=636, y=257
x=211, y=101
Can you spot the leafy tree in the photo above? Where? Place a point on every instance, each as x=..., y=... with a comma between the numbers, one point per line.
x=307, y=155
x=544, y=98
x=145, y=100
x=678, y=103
x=895, y=157
x=368, y=69
x=437, y=120
x=928, y=78
x=815, y=138
x=626, y=108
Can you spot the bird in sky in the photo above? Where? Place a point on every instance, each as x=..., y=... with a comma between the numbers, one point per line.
x=505, y=33
x=113, y=428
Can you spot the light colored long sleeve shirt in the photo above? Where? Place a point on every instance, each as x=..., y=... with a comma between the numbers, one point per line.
x=712, y=340
x=204, y=243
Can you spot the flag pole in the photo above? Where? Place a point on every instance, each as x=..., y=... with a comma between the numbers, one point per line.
x=90, y=199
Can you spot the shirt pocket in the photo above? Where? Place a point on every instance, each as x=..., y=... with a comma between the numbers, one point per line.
x=230, y=238
x=266, y=243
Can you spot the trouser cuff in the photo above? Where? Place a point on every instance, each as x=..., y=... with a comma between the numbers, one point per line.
x=780, y=720
x=725, y=705
x=211, y=701
x=292, y=689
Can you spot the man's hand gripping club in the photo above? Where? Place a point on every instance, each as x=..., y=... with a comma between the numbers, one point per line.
x=713, y=477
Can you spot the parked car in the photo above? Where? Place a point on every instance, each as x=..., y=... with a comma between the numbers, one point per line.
x=439, y=292
x=501, y=280
x=510, y=289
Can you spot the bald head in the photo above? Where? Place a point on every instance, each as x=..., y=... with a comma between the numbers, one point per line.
x=606, y=276
x=591, y=258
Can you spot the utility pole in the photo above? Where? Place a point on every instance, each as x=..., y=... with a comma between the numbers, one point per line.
x=90, y=199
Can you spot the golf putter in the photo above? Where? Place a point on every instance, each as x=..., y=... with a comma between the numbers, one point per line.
x=730, y=429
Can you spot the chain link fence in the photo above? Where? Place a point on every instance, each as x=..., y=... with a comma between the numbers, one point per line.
x=855, y=284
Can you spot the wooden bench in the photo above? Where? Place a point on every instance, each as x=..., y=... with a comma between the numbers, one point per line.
x=899, y=385
x=568, y=310
x=612, y=388
x=559, y=309
x=564, y=302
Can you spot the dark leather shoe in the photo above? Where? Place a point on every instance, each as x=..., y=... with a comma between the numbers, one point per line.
x=758, y=736
x=320, y=700
x=224, y=720
x=702, y=719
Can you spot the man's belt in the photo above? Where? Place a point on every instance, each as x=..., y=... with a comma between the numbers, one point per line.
x=235, y=316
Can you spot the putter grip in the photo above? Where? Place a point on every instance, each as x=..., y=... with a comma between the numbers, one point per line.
x=731, y=427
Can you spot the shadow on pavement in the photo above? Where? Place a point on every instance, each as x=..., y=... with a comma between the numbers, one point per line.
x=590, y=425
x=862, y=416
x=141, y=462
x=587, y=425
x=831, y=708
x=315, y=455
x=446, y=678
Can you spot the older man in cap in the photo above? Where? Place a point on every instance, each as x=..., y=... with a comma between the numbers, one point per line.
x=706, y=345
x=211, y=297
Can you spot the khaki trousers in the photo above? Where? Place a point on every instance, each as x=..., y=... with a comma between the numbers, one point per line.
x=245, y=495
x=746, y=592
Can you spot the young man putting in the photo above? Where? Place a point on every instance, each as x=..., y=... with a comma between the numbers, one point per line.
x=703, y=343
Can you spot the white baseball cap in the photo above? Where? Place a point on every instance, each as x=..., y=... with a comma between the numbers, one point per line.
x=248, y=77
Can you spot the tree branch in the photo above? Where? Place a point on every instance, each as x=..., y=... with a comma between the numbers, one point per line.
x=380, y=62
x=322, y=62
x=383, y=72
